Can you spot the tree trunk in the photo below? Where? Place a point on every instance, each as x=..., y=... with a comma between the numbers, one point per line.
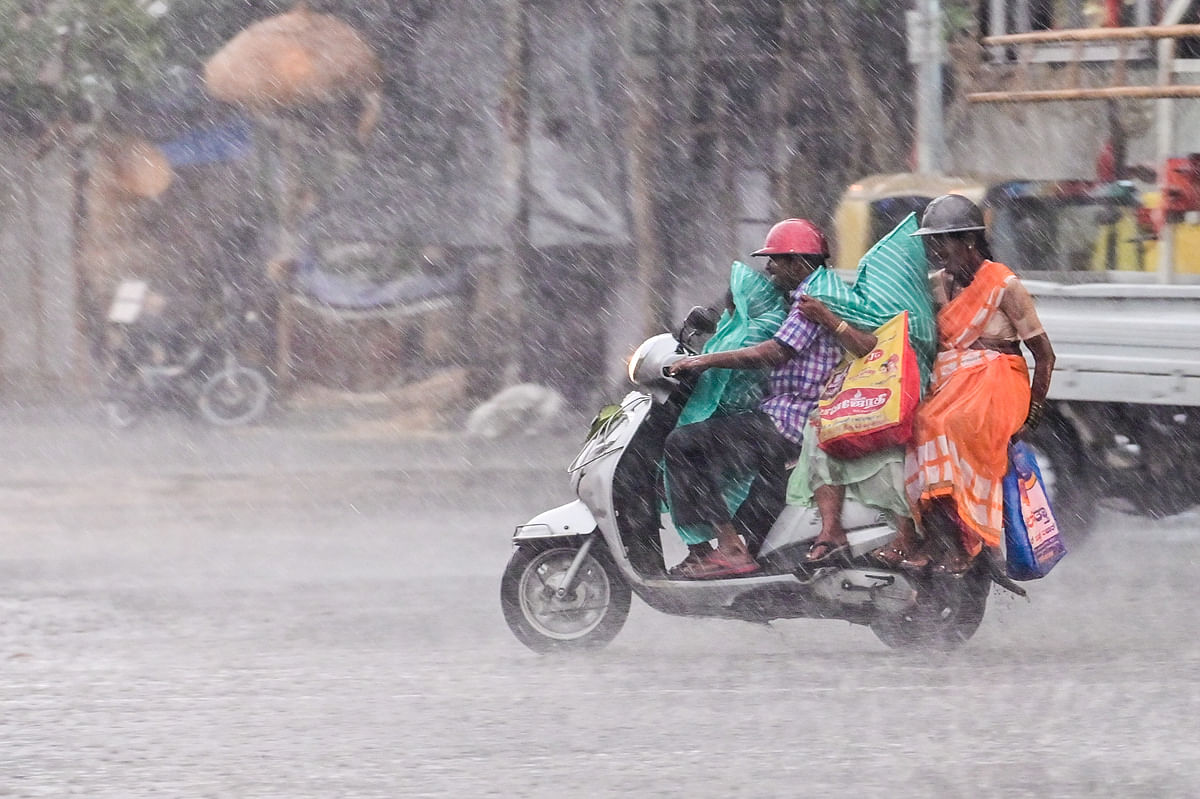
x=646, y=191
x=843, y=115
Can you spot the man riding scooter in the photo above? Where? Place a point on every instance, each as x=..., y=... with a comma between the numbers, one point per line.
x=574, y=568
x=801, y=355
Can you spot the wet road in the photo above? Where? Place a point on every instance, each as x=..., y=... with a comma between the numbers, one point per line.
x=267, y=613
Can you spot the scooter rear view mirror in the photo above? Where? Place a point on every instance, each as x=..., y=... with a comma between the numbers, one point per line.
x=701, y=320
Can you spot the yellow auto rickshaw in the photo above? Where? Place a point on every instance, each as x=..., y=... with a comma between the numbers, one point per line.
x=875, y=204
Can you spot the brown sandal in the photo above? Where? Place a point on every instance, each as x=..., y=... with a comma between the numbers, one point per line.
x=696, y=553
x=955, y=564
x=916, y=563
x=717, y=564
x=824, y=551
x=890, y=555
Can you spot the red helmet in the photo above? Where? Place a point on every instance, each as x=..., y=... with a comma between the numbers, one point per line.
x=795, y=237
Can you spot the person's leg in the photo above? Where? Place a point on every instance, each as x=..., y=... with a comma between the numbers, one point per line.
x=729, y=542
x=904, y=546
x=767, y=493
x=683, y=455
x=737, y=444
x=696, y=553
x=819, y=482
x=961, y=548
x=944, y=547
x=694, y=455
x=829, y=499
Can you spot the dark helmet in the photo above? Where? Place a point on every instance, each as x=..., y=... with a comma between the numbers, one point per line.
x=950, y=213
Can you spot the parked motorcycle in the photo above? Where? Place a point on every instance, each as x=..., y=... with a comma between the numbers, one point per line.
x=159, y=359
x=569, y=582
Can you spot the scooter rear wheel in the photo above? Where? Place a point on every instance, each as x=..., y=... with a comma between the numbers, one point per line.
x=233, y=396
x=587, y=617
x=948, y=612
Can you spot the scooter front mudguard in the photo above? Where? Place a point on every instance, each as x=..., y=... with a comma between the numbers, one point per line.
x=572, y=520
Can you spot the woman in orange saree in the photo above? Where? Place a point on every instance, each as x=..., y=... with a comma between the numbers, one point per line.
x=980, y=396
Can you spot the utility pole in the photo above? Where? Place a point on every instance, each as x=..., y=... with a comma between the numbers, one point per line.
x=1165, y=146
x=506, y=303
x=926, y=51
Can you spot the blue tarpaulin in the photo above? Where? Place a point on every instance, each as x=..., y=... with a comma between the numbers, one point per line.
x=345, y=291
x=229, y=141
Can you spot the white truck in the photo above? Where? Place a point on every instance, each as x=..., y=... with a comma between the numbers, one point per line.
x=1125, y=398
x=1124, y=419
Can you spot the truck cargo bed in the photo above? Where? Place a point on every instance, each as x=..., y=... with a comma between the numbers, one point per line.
x=1123, y=342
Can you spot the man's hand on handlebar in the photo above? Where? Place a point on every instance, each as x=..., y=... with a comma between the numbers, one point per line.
x=691, y=365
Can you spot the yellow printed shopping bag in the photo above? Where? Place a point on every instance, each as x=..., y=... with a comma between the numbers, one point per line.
x=870, y=402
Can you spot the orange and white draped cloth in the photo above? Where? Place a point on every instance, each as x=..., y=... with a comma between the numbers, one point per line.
x=978, y=399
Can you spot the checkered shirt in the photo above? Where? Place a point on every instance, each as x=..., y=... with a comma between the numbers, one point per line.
x=794, y=387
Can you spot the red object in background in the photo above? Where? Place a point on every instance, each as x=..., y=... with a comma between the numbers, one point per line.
x=1106, y=163
x=1149, y=222
x=1066, y=189
x=1112, y=14
x=1182, y=190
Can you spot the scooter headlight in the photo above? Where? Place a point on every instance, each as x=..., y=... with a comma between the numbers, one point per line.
x=649, y=362
x=635, y=361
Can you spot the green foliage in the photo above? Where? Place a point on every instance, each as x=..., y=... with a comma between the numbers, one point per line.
x=116, y=39
x=960, y=16
x=195, y=29
x=870, y=6
x=25, y=41
x=56, y=52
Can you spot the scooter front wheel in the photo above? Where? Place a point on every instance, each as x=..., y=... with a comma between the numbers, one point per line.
x=546, y=619
x=119, y=413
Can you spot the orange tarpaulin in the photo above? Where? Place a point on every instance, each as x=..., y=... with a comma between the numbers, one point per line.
x=142, y=169
x=297, y=58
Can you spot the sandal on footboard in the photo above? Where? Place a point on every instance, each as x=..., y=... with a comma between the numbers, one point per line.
x=682, y=566
x=822, y=551
x=718, y=564
x=891, y=555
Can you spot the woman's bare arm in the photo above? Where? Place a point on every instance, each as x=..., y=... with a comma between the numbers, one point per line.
x=1043, y=368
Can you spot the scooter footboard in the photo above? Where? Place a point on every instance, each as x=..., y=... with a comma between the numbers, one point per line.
x=566, y=521
x=888, y=592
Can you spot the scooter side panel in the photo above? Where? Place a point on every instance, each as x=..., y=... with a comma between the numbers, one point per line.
x=795, y=524
x=865, y=530
x=571, y=519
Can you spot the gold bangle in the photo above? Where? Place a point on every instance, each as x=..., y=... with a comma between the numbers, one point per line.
x=837, y=331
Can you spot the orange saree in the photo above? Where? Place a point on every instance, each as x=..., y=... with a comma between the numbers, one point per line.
x=978, y=399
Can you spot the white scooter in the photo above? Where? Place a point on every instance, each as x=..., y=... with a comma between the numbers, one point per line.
x=569, y=582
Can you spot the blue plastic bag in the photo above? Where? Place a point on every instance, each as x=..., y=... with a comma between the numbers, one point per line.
x=1031, y=538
